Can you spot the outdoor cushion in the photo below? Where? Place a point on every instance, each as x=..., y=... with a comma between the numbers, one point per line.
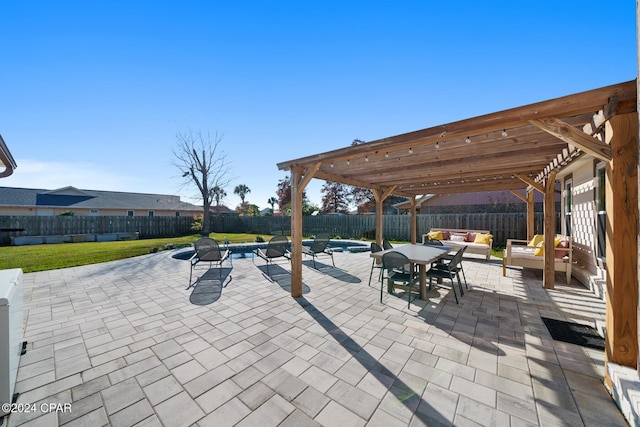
x=483, y=238
x=562, y=244
x=436, y=235
x=463, y=235
x=446, y=235
x=471, y=237
x=539, y=249
x=457, y=238
x=556, y=242
x=536, y=239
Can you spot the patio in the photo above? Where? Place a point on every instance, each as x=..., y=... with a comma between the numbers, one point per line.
x=123, y=343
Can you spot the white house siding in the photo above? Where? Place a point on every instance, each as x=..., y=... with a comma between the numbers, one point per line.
x=583, y=223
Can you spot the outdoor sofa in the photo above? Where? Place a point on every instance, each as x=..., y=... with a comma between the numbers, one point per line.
x=530, y=254
x=476, y=241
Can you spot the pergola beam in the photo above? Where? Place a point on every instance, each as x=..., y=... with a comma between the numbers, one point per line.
x=531, y=182
x=571, y=135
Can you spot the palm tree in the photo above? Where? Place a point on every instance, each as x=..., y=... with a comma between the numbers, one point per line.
x=272, y=201
x=241, y=190
x=218, y=194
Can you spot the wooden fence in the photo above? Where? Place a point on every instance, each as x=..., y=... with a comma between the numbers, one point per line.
x=502, y=225
x=397, y=227
x=148, y=227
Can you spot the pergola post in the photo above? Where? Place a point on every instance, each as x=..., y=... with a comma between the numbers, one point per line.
x=528, y=199
x=296, y=232
x=300, y=177
x=380, y=194
x=414, y=224
x=622, y=244
x=549, y=275
x=530, y=215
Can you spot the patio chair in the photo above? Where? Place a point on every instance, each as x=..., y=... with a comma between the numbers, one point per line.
x=398, y=269
x=226, y=248
x=386, y=245
x=207, y=250
x=434, y=242
x=319, y=246
x=277, y=247
x=448, y=270
x=375, y=248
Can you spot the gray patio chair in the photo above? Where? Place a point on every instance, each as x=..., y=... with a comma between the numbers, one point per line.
x=386, y=245
x=374, y=264
x=277, y=247
x=399, y=269
x=434, y=242
x=448, y=270
x=207, y=250
x=319, y=246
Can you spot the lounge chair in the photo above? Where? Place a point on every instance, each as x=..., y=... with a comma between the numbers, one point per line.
x=207, y=250
x=277, y=247
x=319, y=246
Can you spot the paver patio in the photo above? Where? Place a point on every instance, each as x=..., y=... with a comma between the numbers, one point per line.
x=125, y=344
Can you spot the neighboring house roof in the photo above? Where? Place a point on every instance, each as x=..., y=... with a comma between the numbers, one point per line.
x=475, y=198
x=71, y=197
x=221, y=209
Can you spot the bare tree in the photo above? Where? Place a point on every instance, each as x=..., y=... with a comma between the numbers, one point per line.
x=201, y=163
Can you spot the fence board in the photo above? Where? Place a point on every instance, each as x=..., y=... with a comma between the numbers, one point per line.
x=502, y=225
x=148, y=227
x=397, y=227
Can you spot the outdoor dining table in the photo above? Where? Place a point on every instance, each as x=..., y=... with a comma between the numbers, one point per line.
x=420, y=255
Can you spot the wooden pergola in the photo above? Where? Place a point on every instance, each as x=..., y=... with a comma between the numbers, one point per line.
x=522, y=150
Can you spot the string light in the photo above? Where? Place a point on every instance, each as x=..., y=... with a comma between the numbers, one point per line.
x=331, y=164
x=366, y=158
x=410, y=150
x=437, y=145
x=504, y=133
x=348, y=162
x=386, y=155
x=467, y=140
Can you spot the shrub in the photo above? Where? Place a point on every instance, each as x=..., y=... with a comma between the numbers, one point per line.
x=368, y=235
x=259, y=239
x=196, y=226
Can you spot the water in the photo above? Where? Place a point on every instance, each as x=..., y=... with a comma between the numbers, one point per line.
x=246, y=251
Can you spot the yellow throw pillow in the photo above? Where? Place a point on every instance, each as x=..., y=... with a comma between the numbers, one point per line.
x=435, y=235
x=485, y=239
x=556, y=242
x=536, y=239
x=539, y=249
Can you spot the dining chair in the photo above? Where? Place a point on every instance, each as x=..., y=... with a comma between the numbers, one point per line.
x=375, y=264
x=434, y=242
x=448, y=270
x=386, y=245
x=399, y=269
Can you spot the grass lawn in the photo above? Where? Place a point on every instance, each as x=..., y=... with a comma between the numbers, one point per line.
x=50, y=257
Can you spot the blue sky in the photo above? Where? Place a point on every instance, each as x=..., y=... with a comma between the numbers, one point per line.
x=93, y=92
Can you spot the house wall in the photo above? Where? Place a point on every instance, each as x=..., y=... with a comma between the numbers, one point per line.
x=487, y=201
x=589, y=270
